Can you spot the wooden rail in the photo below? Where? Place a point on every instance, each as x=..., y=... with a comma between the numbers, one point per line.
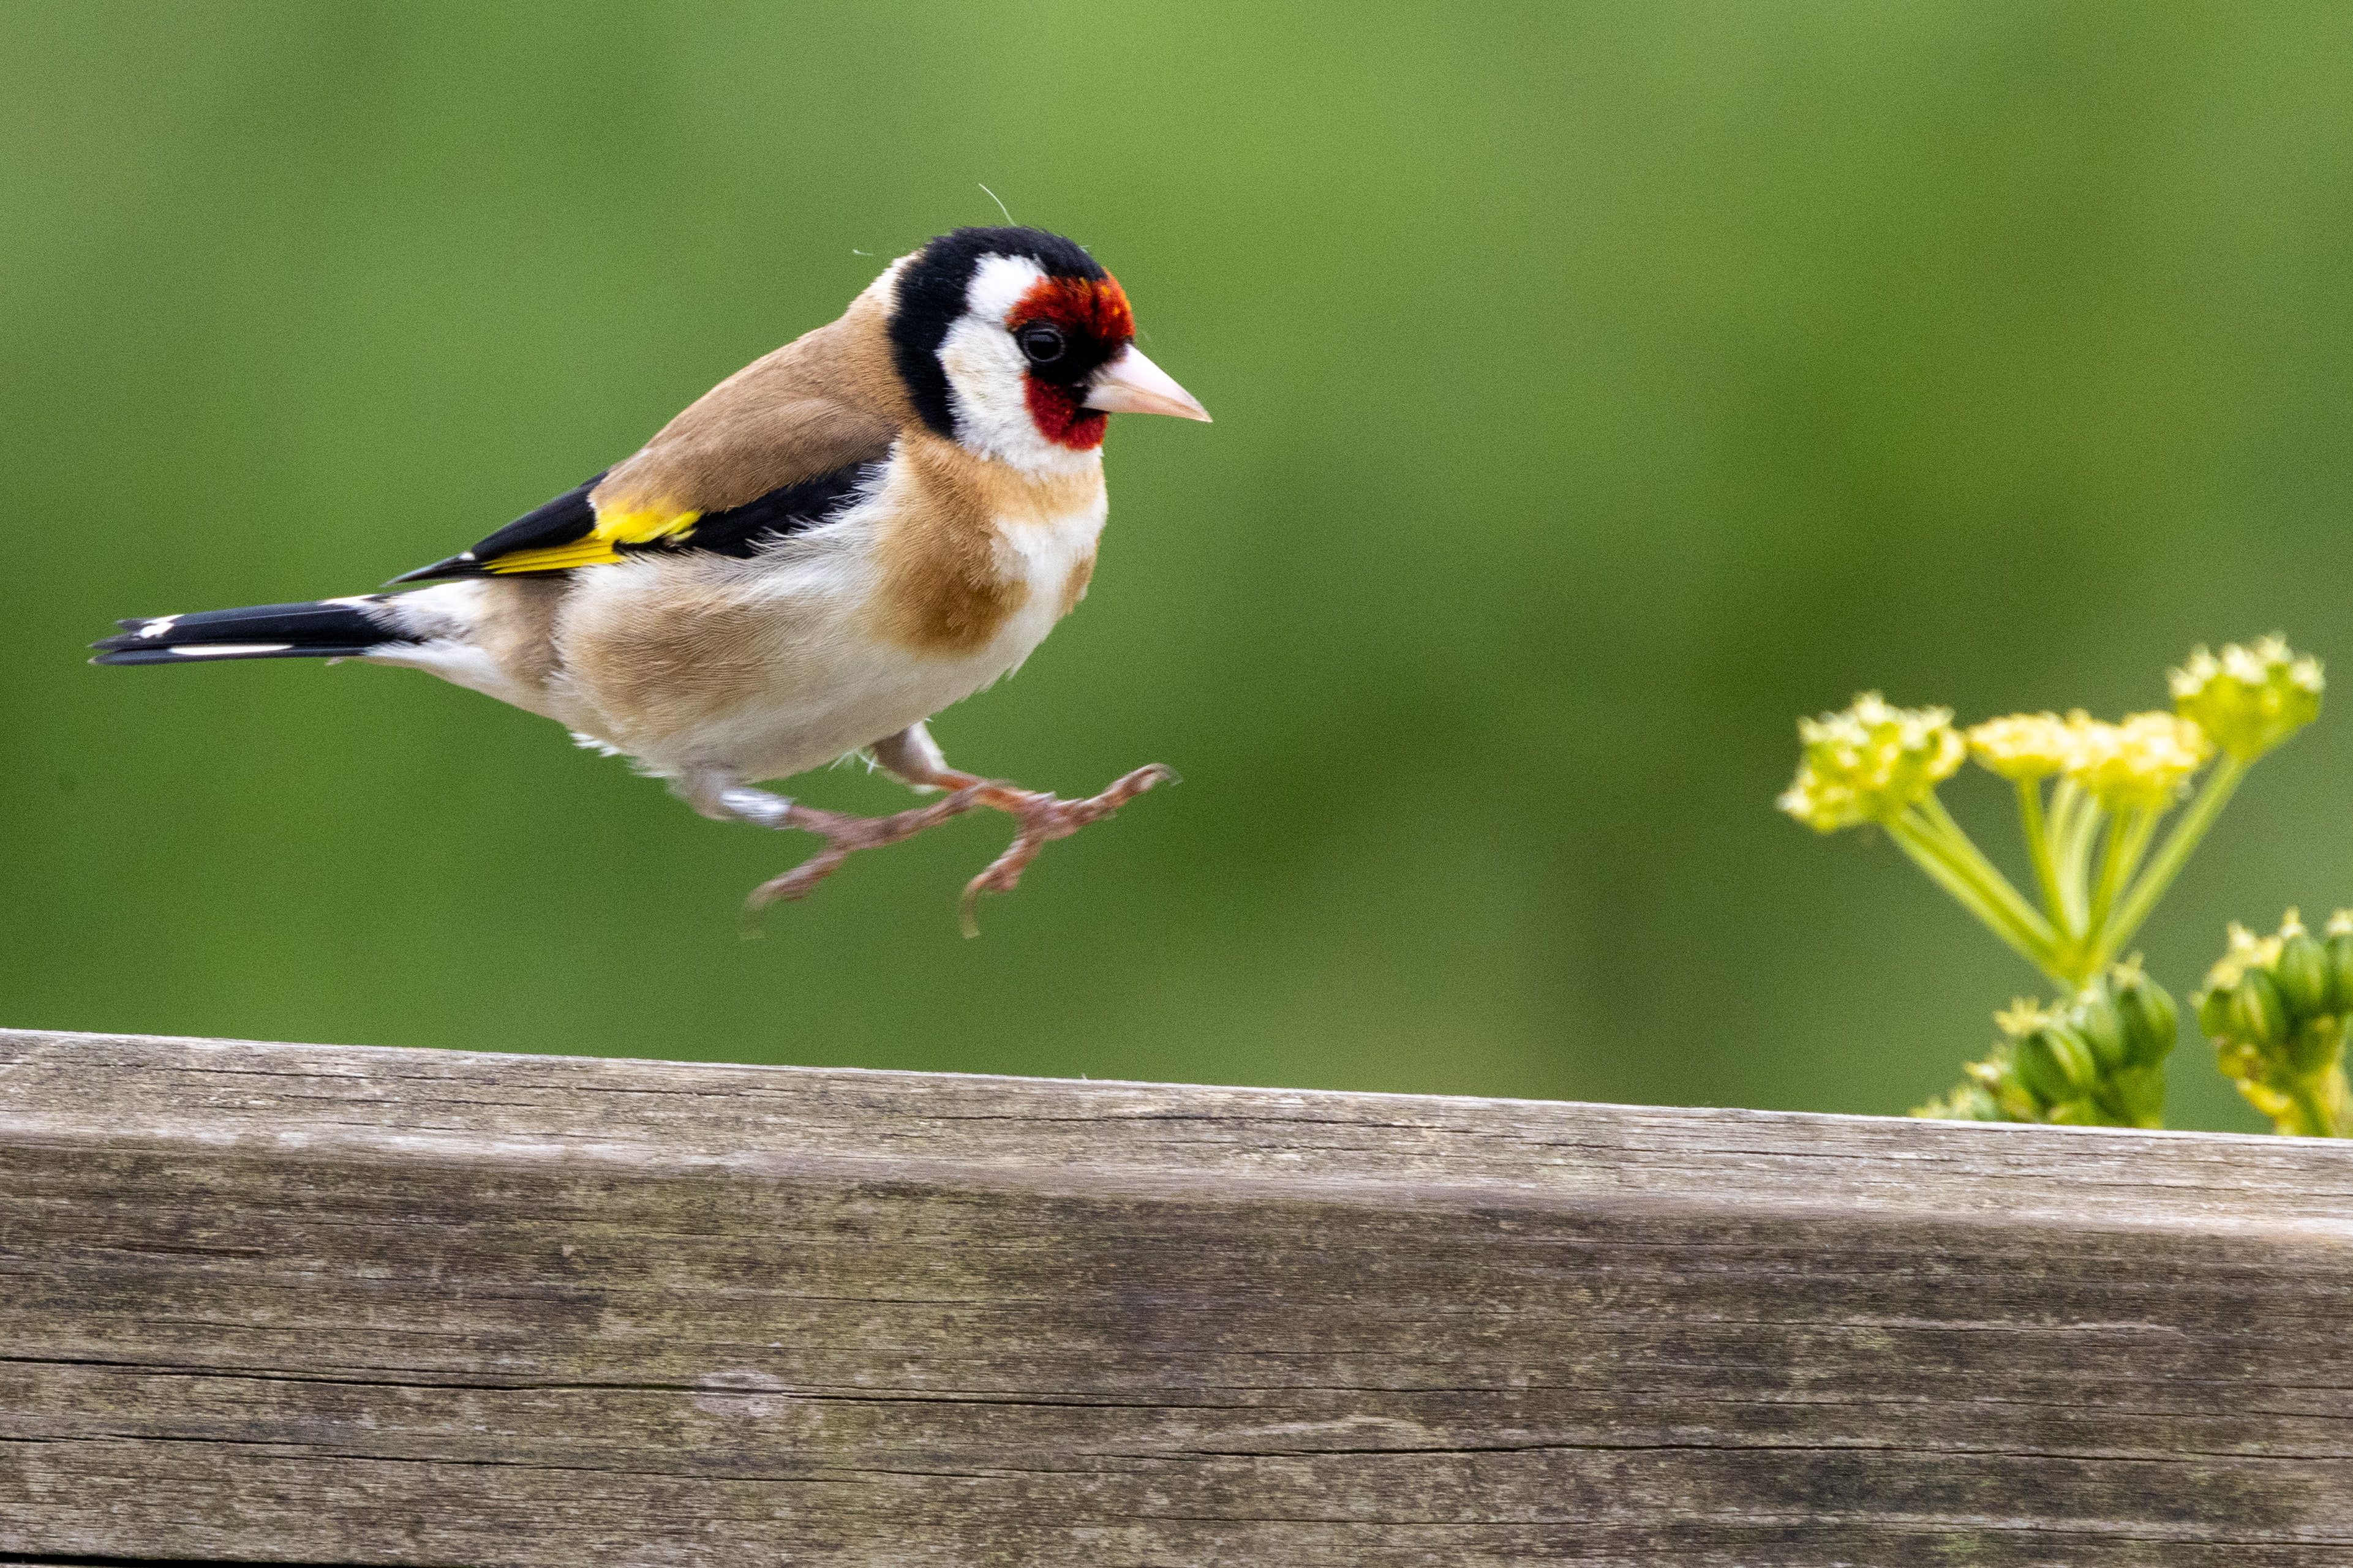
x=328, y=1304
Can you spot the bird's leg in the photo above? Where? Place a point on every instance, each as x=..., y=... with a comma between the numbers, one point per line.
x=843, y=834
x=1040, y=818
x=729, y=802
x=914, y=758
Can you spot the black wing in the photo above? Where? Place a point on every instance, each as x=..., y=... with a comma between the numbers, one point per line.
x=570, y=521
x=740, y=531
x=566, y=520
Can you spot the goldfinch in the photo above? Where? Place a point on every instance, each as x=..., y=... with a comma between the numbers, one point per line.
x=829, y=547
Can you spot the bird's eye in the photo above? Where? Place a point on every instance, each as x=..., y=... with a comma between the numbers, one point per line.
x=1041, y=342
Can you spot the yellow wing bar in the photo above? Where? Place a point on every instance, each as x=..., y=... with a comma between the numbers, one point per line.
x=599, y=546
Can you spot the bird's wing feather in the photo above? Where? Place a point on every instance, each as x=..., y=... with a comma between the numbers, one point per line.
x=566, y=521
x=568, y=532
x=559, y=524
x=726, y=452
x=777, y=447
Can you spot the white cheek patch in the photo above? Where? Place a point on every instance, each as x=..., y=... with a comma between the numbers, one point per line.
x=987, y=388
x=997, y=285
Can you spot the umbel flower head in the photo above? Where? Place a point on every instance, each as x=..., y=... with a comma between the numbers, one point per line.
x=2248, y=700
x=2024, y=745
x=2142, y=763
x=1869, y=763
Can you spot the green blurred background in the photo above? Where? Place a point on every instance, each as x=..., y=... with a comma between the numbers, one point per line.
x=1599, y=387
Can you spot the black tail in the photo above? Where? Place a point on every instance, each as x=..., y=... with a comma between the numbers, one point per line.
x=322, y=628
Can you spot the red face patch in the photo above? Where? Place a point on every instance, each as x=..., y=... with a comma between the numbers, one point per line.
x=1062, y=415
x=1093, y=323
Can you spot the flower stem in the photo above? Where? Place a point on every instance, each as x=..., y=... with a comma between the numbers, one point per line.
x=1997, y=886
x=2136, y=843
x=2038, y=847
x=2144, y=829
x=2111, y=876
x=2212, y=797
x=1917, y=839
x=2317, y=1123
x=2076, y=814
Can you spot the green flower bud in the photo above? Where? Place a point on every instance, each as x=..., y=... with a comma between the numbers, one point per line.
x=2315, y=1045
x=2152, y=1024
x=2258, y=1016
x=2339, y=949
x=2301, y=972
x=2214, y=1013
x=2029, y=1087
x=2100, y=1027
x=2141, y=1091
x=2056, y=1065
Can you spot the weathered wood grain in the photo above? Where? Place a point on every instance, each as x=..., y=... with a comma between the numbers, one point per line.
x=340, y=1305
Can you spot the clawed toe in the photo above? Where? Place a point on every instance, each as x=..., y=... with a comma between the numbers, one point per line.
x=844, y=834
x=1039, y=820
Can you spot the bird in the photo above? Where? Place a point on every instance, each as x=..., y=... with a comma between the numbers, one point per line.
x=813, y=559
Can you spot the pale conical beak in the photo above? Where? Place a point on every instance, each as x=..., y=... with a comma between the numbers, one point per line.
x=1131, y=383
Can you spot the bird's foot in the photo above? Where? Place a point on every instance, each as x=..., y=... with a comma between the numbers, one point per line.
x=844, y=834
x=1040, y=820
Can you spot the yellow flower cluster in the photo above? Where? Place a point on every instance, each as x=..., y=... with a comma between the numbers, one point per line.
x=1870, y=763
x=2023, y=1018
x=2243, y=950
x=2248, y=700
x=2141, y=762
x=2025, y=745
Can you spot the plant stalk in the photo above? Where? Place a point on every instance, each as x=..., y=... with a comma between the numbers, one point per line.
x=2038, y=848
x=1918, y=840
x=1997, y=886
x=2078, y=818
x=2112, y=875
x=2212, y=797
x=2318, y=1122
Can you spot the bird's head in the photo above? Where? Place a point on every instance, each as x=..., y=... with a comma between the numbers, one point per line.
x=1017, y=344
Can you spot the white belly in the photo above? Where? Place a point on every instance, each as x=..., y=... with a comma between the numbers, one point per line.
x=763, y=669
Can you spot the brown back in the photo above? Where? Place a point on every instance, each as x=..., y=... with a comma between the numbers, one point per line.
x=824, y=401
